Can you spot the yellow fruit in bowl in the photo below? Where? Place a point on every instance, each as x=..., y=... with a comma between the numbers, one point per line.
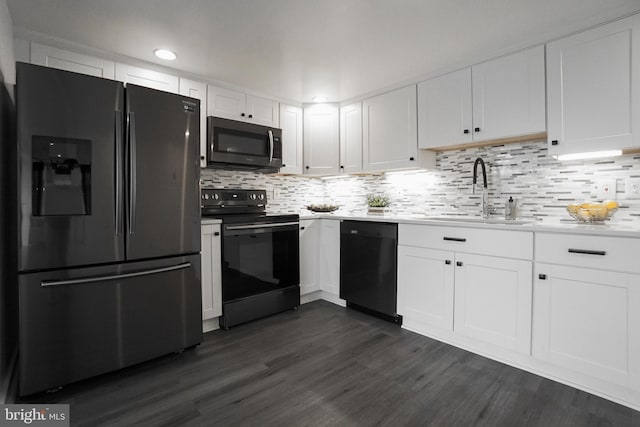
x=598, y=211
x=573, y=208
x=611, y=204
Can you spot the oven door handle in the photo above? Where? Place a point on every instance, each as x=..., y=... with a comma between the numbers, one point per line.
x=267, y=225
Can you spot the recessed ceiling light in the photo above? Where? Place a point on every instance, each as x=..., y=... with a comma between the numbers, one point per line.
x=165, y=54
x=319, y=99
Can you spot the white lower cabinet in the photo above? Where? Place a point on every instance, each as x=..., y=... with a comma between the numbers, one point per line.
x=329, y=259
x=493, y=300
x=425, y=287
x=211, y=258
x=588, y=321
x=309, y=255
x=444, y=289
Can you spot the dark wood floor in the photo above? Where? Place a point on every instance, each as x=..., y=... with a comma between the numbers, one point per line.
x=328, y=365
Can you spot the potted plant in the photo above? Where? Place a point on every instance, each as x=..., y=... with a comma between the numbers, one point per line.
x=377, y=203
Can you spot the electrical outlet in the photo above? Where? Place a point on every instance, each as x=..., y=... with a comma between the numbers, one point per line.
x=632, y=188
x=606, y=189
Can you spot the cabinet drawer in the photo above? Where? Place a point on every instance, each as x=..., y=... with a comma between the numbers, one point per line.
x=601, y=252
x=502, y=243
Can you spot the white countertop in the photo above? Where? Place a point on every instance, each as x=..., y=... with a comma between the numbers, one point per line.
x=553, y=226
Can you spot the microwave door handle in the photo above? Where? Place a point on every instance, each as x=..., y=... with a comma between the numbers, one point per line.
x=270, y=146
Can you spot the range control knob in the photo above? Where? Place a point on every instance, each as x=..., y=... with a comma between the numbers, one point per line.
x=216, y=196
x=261, y=197
x=206, y=196
x=253, y=196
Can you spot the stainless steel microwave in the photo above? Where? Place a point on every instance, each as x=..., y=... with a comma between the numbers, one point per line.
x=238, y=145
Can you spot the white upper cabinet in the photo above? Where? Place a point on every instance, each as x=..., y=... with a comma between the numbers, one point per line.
x=198, y=90
x=321, y=140
x=147, y=78
x=351, y=138
x=71, y=61
x=593, y=89
x=508, y=95
x=234, y=105
x=444, y=110
x=291, y=124
x=501, y=98
x=390, y=131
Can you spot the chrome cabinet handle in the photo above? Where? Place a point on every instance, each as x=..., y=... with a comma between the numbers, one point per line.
x=46, y=283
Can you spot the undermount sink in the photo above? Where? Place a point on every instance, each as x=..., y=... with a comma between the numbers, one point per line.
x=475, y=220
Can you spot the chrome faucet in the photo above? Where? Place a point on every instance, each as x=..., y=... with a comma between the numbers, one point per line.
x=485, y=204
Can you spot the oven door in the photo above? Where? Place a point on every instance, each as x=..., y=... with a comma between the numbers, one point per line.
x=258, y=257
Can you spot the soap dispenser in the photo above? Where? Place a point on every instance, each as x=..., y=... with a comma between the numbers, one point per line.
x=510, y=209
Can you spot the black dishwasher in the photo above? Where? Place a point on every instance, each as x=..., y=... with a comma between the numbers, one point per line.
x=368, y=265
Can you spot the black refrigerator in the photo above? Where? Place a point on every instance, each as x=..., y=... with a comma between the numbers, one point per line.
x=108, y=225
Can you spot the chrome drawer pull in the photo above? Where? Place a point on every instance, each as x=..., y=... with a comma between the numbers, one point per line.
x=586, y=252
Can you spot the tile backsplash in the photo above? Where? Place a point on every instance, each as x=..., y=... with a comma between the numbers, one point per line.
x=541, y=185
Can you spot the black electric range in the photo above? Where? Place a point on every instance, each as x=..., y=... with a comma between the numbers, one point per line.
x=260, y=255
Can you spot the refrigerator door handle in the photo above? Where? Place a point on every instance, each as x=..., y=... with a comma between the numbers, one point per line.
x=132, y=172
x=47, y=283
x=118, y=178
x=270, y=146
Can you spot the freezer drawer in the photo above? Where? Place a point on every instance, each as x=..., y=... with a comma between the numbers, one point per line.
x=78, y=323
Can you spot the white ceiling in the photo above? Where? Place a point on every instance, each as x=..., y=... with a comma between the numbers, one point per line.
x=298, y=49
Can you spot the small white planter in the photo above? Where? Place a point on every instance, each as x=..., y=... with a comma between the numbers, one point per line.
x=375, y=210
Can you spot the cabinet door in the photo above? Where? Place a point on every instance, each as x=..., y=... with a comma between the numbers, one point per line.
x=211, y=272
x=69, y=61
x=444, y=110
x=262, y=111
x=226, y=103
x=493, y=300
x=329, y=274
x=291, y=124
x=509, y=95
x=351, y=138
x=425, y=288
x=199, y=91
x=588, y=321
x=147, y=78
x=592, y=89
x=390, y=130
x=308, y=256
x=321, y=140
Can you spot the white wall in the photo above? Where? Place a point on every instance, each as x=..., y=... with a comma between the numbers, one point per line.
x=7, y=60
